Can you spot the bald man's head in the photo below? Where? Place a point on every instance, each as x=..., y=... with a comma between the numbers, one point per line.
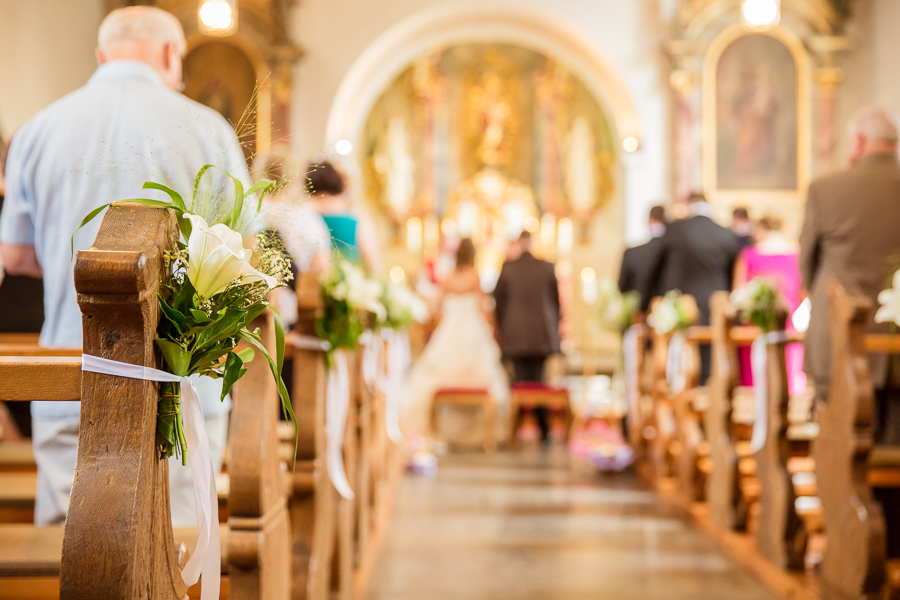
x=146, y=34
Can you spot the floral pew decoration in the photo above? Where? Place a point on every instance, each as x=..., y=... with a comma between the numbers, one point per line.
x=213, y=289
x=351, y=305
x=403, y=307
x=760, y=303
x=671, y=316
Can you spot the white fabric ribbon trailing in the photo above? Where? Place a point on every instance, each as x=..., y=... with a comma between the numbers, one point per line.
x=398, y=357
x=674, y=373
x=630, y=354
x=371, y=359
x=337, y=405
x=206, y=559
x=759, y=360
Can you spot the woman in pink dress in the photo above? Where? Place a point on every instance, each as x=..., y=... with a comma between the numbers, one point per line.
x=775, y=257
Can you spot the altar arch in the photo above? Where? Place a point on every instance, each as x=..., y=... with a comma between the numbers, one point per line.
x=466, y=22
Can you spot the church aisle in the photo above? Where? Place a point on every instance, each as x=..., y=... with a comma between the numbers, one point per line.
x=523, y=526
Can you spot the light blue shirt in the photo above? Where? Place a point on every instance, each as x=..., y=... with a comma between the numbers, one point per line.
x=97, y=145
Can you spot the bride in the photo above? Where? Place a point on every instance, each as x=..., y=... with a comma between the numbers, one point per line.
x=462, y=353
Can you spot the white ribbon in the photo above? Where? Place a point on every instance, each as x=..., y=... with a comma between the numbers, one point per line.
x=337, y=406
x=370, y=360
x=630, y=352
x=759, y=360
x=674, y=373
x=206, y=559
x=398, y=357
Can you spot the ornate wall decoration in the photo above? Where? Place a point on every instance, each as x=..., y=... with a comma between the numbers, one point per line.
x=756, y=113
x=486, y=127
x=261, y=43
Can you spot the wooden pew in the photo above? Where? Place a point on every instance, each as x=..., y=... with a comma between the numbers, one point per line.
x=639, y=415
x=848, y=464
x=120, y=480
x=781, y=535
x=255, y=553
x=691, y=452
x=731, y=487
x=313, y=500
x=259, y=543
x=659, y=430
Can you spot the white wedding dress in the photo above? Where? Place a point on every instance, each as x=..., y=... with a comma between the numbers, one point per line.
x=461, y=353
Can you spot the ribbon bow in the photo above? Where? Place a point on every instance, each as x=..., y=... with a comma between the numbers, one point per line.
x=206, y=560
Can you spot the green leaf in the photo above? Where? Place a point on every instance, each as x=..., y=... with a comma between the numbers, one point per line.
x=200, y=175
x=177, y=358
x=233, y=371
x=225, y=326
x=279, y=338
x=247, y=355
x=282, y=389
x=235, y=214
x=263, y=186
x=200, y=316
x=206, y=360
x=173, y=316
x=253, y=312
x=177, y=200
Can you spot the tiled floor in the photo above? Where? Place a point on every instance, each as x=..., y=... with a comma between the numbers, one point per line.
x=528, y=526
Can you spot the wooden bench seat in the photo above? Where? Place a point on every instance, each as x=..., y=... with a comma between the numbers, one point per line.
x=29, y=551
x=848, y=462
x=477, y=397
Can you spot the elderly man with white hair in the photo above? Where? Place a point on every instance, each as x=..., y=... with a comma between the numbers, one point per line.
x=852, y=233
x=96, y=145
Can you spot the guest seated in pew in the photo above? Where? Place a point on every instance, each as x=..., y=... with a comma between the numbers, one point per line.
x=774, y=257
x=635, y=275
x=742, y=226
x=462, y=353
x=352, y=232
x=850, y=234
x=97, y=145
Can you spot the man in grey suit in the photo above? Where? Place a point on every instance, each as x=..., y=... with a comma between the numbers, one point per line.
x=851, y=233
x=527, y=298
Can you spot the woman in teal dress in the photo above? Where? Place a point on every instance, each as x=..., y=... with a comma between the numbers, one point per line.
x=352, y=233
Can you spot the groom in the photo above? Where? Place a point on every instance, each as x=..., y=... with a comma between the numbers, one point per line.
x=527, y=298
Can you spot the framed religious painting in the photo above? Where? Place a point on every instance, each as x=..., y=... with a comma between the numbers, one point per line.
x=756, y=118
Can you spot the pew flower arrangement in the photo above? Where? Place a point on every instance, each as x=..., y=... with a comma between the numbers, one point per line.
x=889, y=299
x=213, y=290
x=760, y=303
x=674, y=312
x=617, y=310
x=351, y=303
x=402, y=306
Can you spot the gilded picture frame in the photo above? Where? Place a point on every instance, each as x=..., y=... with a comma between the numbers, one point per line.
x=745, y=151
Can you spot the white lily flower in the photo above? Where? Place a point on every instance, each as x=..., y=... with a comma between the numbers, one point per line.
x=217, y=257
x=663, y=318
x=889, y=300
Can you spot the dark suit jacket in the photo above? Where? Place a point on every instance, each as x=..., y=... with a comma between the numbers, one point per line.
x=851, y=233
x=527, y=297
x=636, y=274
x=696, y=256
